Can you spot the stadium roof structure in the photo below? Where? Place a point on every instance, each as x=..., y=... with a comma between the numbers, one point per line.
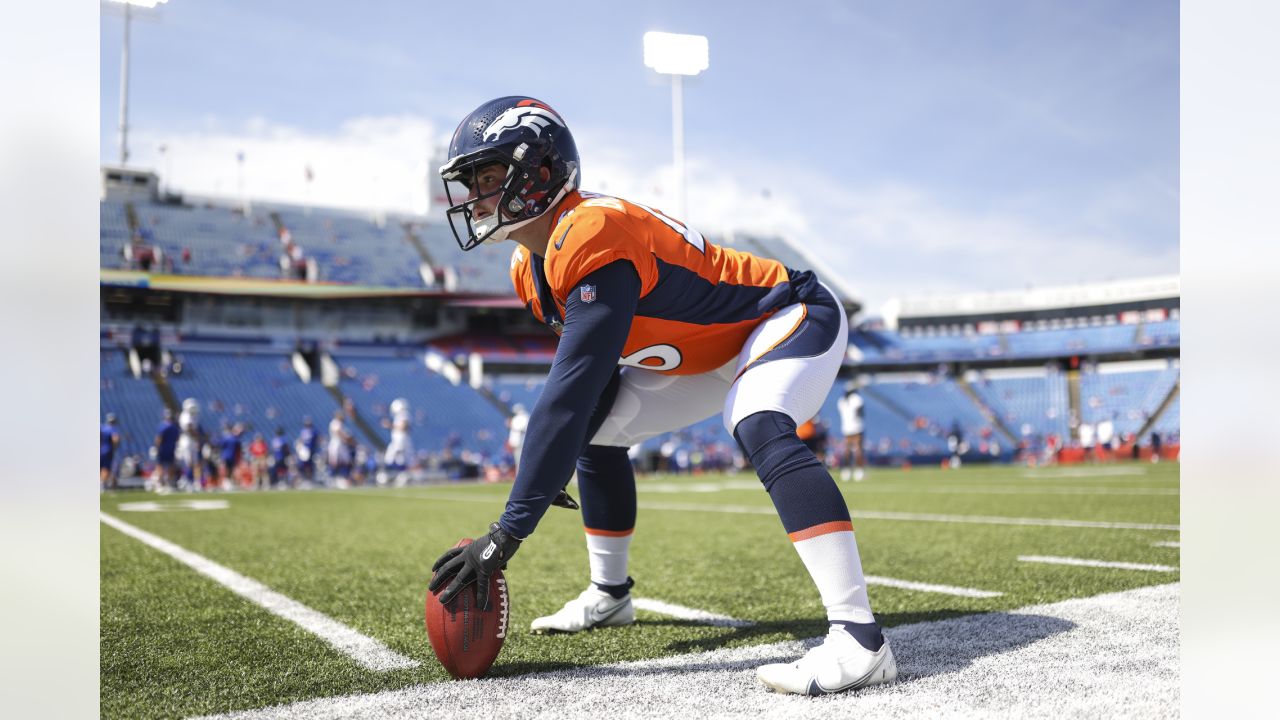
x=1032, y=299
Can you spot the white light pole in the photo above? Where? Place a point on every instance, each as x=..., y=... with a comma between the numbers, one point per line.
x=124, y=72
x=677, y=56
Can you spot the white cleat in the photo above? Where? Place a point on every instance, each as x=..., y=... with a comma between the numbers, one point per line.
x=592, y=609
x=837, y=665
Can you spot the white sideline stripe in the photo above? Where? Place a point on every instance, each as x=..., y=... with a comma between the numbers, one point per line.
x=1095, y=563
x=1168, y=543
x=1118, y=654
x=363, y=649
x=764, y=510
x=929, y=587
x=923, y=517
x=686, y=613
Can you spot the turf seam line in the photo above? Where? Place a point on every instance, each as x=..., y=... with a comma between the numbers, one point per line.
x=1082, y=562
x=366, y=651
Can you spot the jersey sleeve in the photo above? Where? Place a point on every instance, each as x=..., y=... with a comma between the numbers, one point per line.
x=578, y=384
x=590, y=238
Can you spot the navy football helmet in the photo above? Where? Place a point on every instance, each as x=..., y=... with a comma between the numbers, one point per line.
x=524, y=135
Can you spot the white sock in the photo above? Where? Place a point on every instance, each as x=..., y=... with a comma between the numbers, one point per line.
x=608, y=556
x=833, y=563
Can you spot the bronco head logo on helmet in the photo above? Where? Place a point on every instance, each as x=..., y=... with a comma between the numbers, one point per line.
x=524, y=135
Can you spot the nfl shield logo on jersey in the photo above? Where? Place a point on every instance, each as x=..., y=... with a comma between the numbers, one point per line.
x=587, y=293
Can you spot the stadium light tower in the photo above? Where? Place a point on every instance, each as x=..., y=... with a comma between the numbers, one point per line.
x=677, y=56
x=124, y=72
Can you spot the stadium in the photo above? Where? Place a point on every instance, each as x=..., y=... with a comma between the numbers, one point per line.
x=303, y=403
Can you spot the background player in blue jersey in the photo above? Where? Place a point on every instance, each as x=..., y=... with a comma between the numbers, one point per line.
x=108, y=443
x=307, y=445
x=166, y=446
x=279, y=470
x=229, y=453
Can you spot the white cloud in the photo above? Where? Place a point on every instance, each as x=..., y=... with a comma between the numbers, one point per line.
x=375, y=163
x=887, y=240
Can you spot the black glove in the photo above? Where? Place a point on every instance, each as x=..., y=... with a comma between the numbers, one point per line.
x=565, y=500
x=473, y=563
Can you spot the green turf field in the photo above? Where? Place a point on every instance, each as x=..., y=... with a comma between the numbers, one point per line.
x=175, y=643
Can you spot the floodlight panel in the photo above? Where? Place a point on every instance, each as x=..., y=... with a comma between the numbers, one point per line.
x=141, y=3
x=674, y=54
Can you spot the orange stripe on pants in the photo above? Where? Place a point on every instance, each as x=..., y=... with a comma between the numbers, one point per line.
x=609, y=533
x=823, y=529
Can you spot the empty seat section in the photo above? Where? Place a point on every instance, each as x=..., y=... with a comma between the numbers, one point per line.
x=136, y=403
x=261, y=391
x=438, y=407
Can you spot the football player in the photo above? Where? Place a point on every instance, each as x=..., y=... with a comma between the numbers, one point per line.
x=189, y=451
x=399, y=454
x=108, y=444
x=659, y=329
x=166, y=445
x=851, y=425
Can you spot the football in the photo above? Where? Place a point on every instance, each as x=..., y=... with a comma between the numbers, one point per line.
x=466, y=639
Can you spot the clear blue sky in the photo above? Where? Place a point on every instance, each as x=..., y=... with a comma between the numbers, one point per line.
x=915, y=146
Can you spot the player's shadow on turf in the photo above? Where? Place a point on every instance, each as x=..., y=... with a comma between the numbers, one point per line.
x=922, y=649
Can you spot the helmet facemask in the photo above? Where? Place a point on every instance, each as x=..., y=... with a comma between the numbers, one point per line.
x=522, y=196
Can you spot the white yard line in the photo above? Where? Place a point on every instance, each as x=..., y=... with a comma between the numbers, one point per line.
x=930, y=587
x=1105, y=656
x=364, y=650
x=1081, y=562
x=686, y=613
x=1168, y=544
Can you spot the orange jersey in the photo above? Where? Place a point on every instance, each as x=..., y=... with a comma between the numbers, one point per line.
x=698, y=301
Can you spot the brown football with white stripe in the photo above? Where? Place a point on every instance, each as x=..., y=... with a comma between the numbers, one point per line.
x=466, y=639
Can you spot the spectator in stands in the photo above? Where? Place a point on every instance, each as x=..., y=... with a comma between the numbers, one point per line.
x=108, y=443
x=140, y=255
x=339, y=452
x=851, y=428
x=166, y=445
x=518, y=424
x=306, y=447
x=279, y=458
x=258, y=451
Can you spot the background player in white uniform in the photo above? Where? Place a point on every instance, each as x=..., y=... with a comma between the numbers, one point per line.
x=851, y=427
x=519, y=423
x=399, y=453
x=191, y=443
x=338, y=449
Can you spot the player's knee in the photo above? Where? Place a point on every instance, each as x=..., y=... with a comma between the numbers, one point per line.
x=602, y=454
x=602, y=461
x=769, y=441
